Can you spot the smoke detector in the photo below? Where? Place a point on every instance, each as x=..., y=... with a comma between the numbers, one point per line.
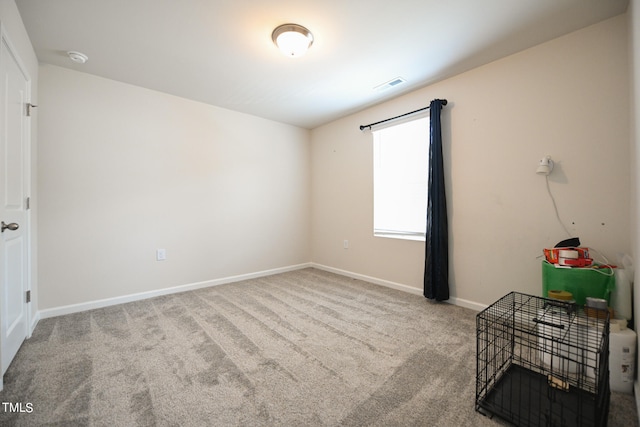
x=77, y=57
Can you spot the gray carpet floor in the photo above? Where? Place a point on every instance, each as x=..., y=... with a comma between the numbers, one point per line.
x=305, y=348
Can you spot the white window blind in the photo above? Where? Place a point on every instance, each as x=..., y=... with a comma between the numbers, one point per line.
x=401, y=165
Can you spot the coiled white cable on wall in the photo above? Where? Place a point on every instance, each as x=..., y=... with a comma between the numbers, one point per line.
x=555, y=207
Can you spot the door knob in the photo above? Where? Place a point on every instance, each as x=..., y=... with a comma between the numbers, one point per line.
x=12, y=226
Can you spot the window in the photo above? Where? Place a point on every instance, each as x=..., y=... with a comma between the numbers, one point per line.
x=400, y=175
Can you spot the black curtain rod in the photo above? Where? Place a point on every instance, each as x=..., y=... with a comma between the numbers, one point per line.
x=363, y=127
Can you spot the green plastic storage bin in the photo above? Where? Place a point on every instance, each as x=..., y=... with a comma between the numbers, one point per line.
x=581, y=282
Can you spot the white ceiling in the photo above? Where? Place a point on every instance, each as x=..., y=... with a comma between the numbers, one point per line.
x=220, y=51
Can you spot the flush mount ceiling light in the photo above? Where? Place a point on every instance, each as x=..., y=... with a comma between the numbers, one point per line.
x=77, y=57
x=292, y=39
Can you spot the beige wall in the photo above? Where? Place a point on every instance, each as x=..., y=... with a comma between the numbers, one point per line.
x=634, y=62
x=13, y=28
x=567, y=98
x=126, y=170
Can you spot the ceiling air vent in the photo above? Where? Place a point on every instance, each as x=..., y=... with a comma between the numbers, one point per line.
x=391, y=83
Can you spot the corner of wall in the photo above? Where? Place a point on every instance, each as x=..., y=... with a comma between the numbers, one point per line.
x=633, y=16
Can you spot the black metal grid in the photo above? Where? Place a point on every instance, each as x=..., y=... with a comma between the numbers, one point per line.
x=542, y=362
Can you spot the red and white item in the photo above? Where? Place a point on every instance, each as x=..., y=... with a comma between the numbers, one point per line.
x=569, y=257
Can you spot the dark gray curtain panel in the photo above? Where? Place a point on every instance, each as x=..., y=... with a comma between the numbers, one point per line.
x=436, y=264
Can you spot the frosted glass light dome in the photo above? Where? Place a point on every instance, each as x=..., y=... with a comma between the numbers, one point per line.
x=292, y=39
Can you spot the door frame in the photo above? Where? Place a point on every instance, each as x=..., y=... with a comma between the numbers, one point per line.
x=27, y=123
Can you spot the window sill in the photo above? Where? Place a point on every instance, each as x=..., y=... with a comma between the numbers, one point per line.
x=415, y=237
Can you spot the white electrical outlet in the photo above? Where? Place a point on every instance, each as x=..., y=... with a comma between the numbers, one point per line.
x=345, y=244
x=161, y=254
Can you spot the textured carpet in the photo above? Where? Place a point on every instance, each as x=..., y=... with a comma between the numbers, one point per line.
x=305, y=348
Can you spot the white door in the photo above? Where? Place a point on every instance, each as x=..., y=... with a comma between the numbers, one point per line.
x=14, y=247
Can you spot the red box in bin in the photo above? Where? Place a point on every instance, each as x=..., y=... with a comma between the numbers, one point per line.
x=583, y=260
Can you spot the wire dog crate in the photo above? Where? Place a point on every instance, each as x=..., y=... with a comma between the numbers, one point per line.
x=542, y=362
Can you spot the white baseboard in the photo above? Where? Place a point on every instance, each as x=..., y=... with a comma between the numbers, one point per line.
x=374, y=280
x=34, y=322
x=475, y=306
x=398, y=286
x=90, y=305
